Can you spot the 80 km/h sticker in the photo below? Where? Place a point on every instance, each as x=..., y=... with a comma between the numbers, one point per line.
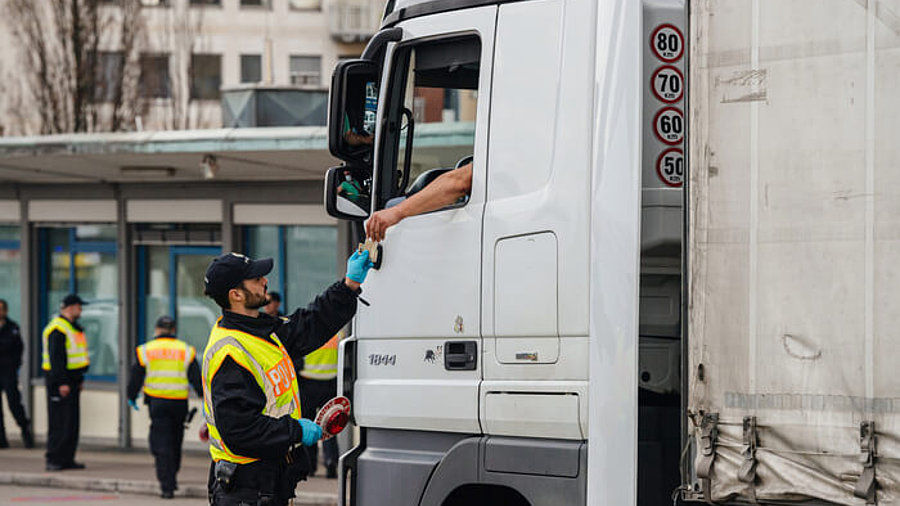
x=668, y=125
x=667, y=43
x=670, y=167
x=668, y=84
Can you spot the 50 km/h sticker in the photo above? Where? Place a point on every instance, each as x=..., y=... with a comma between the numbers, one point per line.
x=668, y=125
x=670, y=167
x=668, y=84
x=667, y=43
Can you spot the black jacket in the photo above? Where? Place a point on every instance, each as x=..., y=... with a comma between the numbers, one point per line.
x=58, y=373
x=237, y=401
x=138, y=372
x=10, y=346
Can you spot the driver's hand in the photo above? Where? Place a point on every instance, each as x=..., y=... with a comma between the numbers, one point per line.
x=380, y=222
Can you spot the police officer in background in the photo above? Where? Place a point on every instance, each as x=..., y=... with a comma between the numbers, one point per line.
x=165, y=366
x=251, y=397
x=11, y=347
x=65, y=361
x=318, y=384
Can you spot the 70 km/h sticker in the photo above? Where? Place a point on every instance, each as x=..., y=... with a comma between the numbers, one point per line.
x=670, y=167
x=668, y=84
x=667, y=43
x=668, y=125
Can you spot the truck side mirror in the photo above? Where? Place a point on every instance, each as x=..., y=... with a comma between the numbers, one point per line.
x=352, y=110
x=347, y=193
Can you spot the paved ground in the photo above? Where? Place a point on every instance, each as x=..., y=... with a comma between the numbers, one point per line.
x=118, y=471
x=14, y=495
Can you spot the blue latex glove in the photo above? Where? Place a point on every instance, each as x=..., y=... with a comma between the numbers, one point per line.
x=133, y=404
x=311, y=432
x=358, y=266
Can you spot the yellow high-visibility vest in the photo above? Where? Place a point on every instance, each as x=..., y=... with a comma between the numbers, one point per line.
x=76, y=344
x=271, y=367
x=166, y=360
x=322, y=364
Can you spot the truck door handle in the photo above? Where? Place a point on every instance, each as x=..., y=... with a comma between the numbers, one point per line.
x=460, y=355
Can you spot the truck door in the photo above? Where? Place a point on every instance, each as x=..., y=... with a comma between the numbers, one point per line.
x=419, y=343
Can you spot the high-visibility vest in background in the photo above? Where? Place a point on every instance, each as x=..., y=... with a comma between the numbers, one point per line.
x=322, y=364
x=271, y=367
x=76, y=344
x=166, y=360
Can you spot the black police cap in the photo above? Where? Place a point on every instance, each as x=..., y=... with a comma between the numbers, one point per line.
x=165, y=322
x=71, y=300
x=227, y=272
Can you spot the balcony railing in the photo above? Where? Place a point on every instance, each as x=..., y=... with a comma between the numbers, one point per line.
x=353, y=21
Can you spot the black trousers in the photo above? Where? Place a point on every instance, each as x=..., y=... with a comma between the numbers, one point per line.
x=63, y=417
x=9, y=385
x=313, y=395
x=166, y=435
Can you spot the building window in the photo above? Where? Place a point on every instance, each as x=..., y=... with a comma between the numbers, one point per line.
x=206, y=2
x=305, y=259
x=108, y=78
x=255, y=3
x=251, y=68
x=82, y=260
x=305, y=5
x=306, y=70
x=10, y=265
x=154, y=81
x=206, y=76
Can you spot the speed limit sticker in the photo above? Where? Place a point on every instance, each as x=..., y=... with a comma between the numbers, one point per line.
x=668, y=124
x=670, y=167
x=668, y=84
x=667, y=43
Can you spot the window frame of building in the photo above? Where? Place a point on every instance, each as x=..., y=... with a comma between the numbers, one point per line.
x=245, y=58
x=213, y=91
x=287, y=261
x=205, y=3
x=305, y=78
x=298, y=5
x=257, y=4
x=10, y=244
x=47, y=308
x=166, y=87
x=106, y=73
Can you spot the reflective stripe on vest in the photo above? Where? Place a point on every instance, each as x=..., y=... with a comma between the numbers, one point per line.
x=322, y=364
x=166, y=360
x=76, y=344
x=271, y=367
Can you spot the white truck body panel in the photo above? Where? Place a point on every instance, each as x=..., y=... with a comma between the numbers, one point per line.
x=794, y=244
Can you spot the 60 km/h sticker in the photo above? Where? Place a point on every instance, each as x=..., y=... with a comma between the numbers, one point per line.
x=668, y=125
x=667, y=43
x=668, y=84
x=670, y=167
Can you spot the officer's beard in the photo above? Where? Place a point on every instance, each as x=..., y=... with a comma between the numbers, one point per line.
x=254, y=301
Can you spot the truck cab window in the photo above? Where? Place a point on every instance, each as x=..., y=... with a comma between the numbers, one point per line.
x=434, y=91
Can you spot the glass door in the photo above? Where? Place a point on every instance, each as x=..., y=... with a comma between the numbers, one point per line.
x=172, y=279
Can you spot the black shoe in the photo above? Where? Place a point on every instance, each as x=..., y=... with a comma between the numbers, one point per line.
x=167, y=494
x=331, y=473
x=53, y=467
x=73, y=465
x=28, y=438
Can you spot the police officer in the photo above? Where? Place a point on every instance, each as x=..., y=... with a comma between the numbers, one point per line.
x=10, y=360
x=65, y=361
x=165, y=366
x=251, y=397
x=318, y=384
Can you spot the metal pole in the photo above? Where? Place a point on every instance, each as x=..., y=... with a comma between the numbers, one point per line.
x=27, y=319
x=126, y=310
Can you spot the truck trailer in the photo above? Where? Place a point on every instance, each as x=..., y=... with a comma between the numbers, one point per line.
x=672, y=278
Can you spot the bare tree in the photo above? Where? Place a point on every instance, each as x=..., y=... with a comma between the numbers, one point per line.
x=183, y=30
x=60, y=64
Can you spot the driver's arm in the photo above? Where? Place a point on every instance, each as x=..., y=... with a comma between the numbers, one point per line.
x=443, y=191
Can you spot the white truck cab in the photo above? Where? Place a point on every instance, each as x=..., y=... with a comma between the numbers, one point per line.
x=471, y=371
